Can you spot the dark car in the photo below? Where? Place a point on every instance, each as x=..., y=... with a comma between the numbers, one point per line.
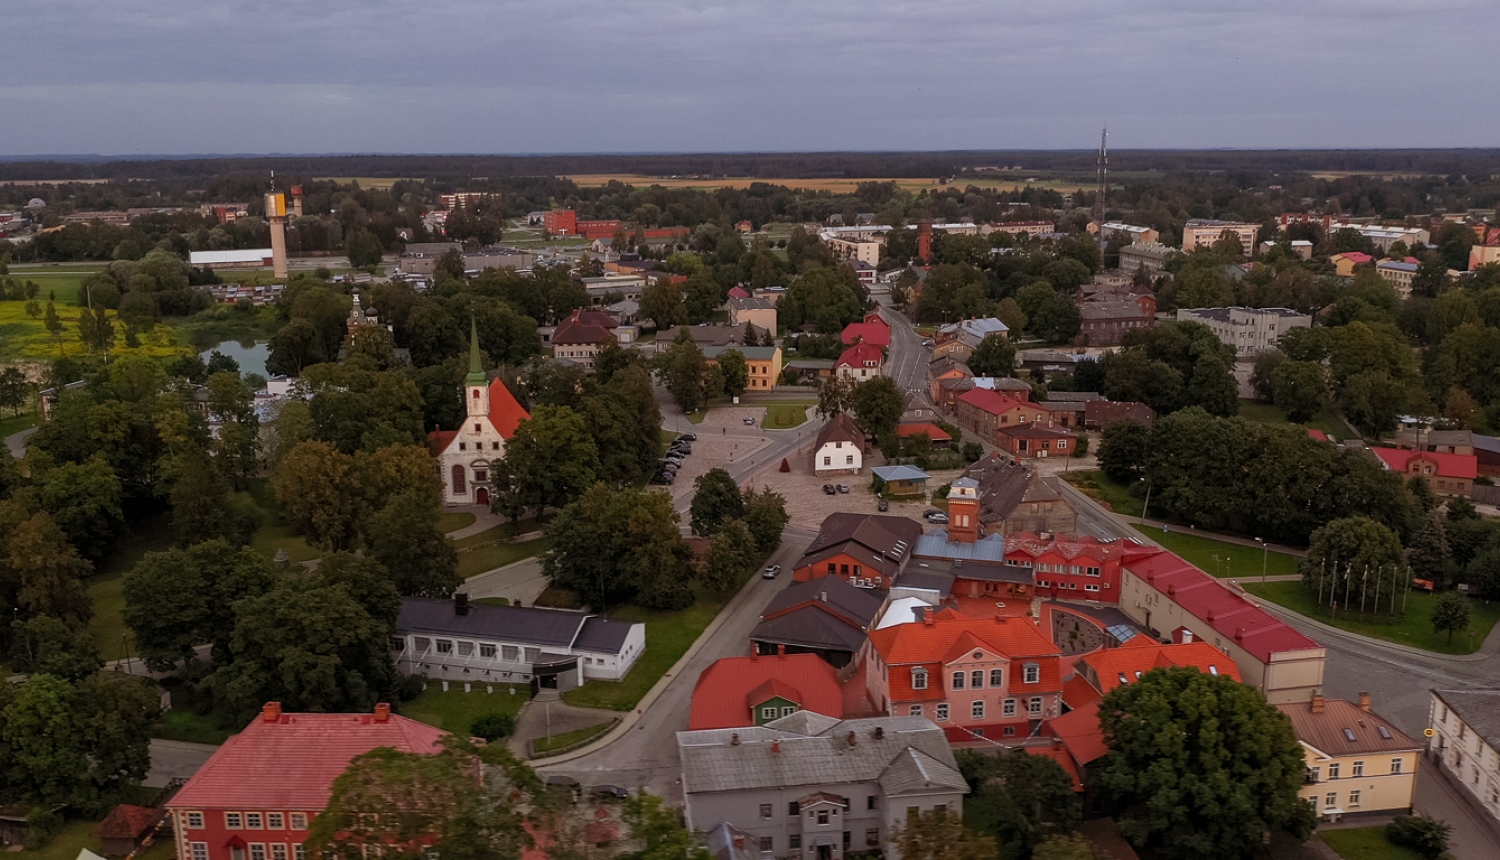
x=828, y=488
x=882, y=506
x=684, y=449
x=607, y=792
x=688, y=437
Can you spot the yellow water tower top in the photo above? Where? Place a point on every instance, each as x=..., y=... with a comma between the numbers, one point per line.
x=276, y=205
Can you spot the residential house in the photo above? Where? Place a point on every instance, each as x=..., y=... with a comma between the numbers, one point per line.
x=123, y=831
x=1029, y=229
x=1149, y=257
x=1072, y=567
x=1399, y=274
x=1129, y=233
x=1382, y=237
x=257, y=795
x=866, y=251
x=1250, y=331
x=978, y=678
x=465, y=456
x=873, y=330
x=1027, y=441
x=760, y=313
x=825, y=616
x=808, y=371
x=944, y=368
x=1447, y=474
x=860, y=362
x=1099, y=414
x=703, y=335
x=958, y=340
x=1175, y=600
x=1015, y=498
x=987, y=412
x=812, y=787
x=755, y=690
x=839, y=448
x=902, y=480
x=1461, y=442
x=455, y=640
x=763, y=362
x=1465, y=746
x=1487, y=455
x=868, y=550
x=1345, y=263
x=863, y=271
x=1358, y=762
x=935, y=434
x=1105, y=323
x=1300, y=248
x=1203, y=232
x=581, y=335
x=612, y=287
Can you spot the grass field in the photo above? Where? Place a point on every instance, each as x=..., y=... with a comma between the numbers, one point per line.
x=78, y=835
x=1267, y=413
x=567, y=739
x=1101, y=489
x=452, y=522
x=16, y=423
x=1220, y=558
x=149, y=534
x=784, y=415
x=455, y=711
x=273, y=534
x=26, y=337
x=384, y=182
x=181, y=724
x=489, y=550
x=1416, y=630
x=1365, y=843
x=669, y=633
x=836, y=185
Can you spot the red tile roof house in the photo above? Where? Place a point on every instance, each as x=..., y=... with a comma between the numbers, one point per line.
x=255, y=798
x=937, y=435
x=579, y=337
x=1447, y=474
x=979, y=679
x=754, y=690
x=1072, y=567
x=986, y=412
x=872, y=330
x=860, y=362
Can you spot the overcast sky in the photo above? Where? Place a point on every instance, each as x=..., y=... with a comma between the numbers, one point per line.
x=494, y=76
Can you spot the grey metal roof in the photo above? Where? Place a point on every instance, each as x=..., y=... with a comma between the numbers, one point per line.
x=914, y=772
x=1487, y=443
x=1479, y=709
x=936, y=544
x=899, y=473
x=805, y=751
x=552, y=627
x=759, y=353
x=602, y=635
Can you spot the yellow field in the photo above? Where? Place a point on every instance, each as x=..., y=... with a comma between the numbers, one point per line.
x=22, y=337
x=366, y=181
x=836, y=185
x=1381, y=174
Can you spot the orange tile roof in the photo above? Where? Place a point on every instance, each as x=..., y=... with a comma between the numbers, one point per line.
x=505, y=412
x=1077, y=692
x=1063, y=758
x=1448, y=465
x=726, y=690
x=1079, y=731
x=1132, y=659
x=937, y=643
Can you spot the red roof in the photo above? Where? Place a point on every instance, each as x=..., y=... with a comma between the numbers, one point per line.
x=1140, y=655
x=940, y=642
x=728, y=689
x=934, y=432
x=990, y=401
x=738, y=293
x=1319, y=435
x=291, y=762
x=1063, y=758
x=860, y=355
x=1067, y=547
x=585, y=327
x=874, y=332
x=1357, y=256
x=505, y=412
x=1447, y=465
x=1078, y=692
x=128, y=821
x=1211, y=601
x=1078, y=729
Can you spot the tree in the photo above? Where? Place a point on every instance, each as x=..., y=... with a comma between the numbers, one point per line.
x=1202, y=765
x=716, y=501
x=1423, y=834
x=936, y=835
x=1010, y=313
x=1350, y=555
x=995, y=356
x=1032, y=797
x=1299, y=388
x=179, y=599
x=731, y=552
x=765, y=515
x=1064, y=846
x=237, y=443
x=364, y=250
x=47, y=572
x=549, y=461
x=657, y=825
x=683, y=370
x=14, y=389
x=315, y=489
x=44, y=645
x=736, y=371
x=835, y=395
x=662, y=303
x=1428, y=555
x=1260, y=378
x=611, y=546
x=405, y=539
x=54, y=325
x=1450, y=613
x=878, y=405
x=1421, y=493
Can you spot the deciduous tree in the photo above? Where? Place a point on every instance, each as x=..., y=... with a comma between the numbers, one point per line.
x=731, y=552
x=1450, y=614
x=995, y=356
x=878, y=405
x=611, y=546
x=550, y=460
x=716, y=501
x=736, y=372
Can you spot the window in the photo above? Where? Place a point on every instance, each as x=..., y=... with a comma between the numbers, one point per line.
x=533, y=654
x=445, y=646
x=1008, y=709
x=275, y=821
x=916, y=710
x=768, y=713
x=976, y=709
x=919, y=679
x=257, y=851
x=1091, y=588
x=794, y=842
x=1353, y=799
x=466, y=649
x=510, y=652
x=299, y=852
x=828, y=461
x=1396, y=765
x=1333, y=770
x=767, y=843
x=299, y=821
x=487, y=650
x=1358, y=769
x=1314, y=774
x=765, y=810
x=1009, y=731
x=822, y=816
x=788, y=710
x=942, y=712
x=870, y=802
x=1034, y=707
x=997, y=677
x=872, y=836
x=423, y=644
x=849, y=460
x=199, y=849
x=494, y=446
x=794, y=808
x=1033, y=673
x=1331, y=799
x=232, y=820
x=976, y=679
x=278, y=851
x=958, y=680
x=195, y=820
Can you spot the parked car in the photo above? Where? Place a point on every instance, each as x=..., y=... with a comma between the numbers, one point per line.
x=607, y=792
x=940, y=518
x=843, y=488
x=688, y=437
x=684, y=449
x=828, y=488
x=770, y=572
x=749, y=421
x=882, y=506
x=931, y=512
x=663, y=478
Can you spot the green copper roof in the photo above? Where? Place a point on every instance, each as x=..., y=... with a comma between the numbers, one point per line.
x=476, y=375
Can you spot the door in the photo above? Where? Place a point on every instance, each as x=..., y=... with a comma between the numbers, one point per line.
x=481, y=496
x=825, y=852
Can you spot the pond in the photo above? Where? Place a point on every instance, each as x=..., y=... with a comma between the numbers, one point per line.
x=251, y=356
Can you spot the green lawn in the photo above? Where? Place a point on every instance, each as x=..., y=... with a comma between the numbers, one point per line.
x=16, y=423
x=149, y=534
x=489, y=549
x=452, y=522
x=1267, y=413
x=781, y=415
x=557, y=742
x=181, y=724
x=1365, y=843
x=1416, y=630
x=78, y=835
x=273, y=534
x=455, y=711
x=1101, y=489
x=697, y=417
x=669, y=634
x=1220, y=558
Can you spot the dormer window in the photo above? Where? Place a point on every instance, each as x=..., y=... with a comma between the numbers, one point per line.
x=919, y=679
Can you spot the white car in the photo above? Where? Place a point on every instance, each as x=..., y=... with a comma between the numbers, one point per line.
x=770, y=572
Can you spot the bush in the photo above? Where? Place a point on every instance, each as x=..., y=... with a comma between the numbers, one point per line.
x=41, y=825
x=493, y=727
x=1421, y=833
x=972, y=452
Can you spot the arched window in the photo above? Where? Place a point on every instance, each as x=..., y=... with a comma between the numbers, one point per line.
x=459, y=485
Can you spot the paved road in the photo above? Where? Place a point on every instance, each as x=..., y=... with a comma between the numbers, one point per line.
x=172, y=759
x=647, y=755
x=907, y=360
x=521, y=581
x=16, y=442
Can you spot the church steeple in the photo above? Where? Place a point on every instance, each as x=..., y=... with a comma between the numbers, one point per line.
x=477, y=382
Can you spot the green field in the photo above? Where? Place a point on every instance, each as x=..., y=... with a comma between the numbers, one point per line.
x=1221, y=558
x=489, y=549
x=567, y=739
x=1267, y=413
x=783, y=415
x=78, y=835
x=1416, y=630
x=452, y=522
x=455, y=711
x=1365, y=843
x=669, y=634
x=1101, y=489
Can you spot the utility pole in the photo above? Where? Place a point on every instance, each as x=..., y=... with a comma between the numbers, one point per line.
x=1103, y=190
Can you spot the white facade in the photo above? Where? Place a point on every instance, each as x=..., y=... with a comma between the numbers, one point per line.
x=1465, y=746
x=837, y=456
x=1250, y=331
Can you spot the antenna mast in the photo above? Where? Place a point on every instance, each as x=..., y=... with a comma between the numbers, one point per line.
x=1103, y=191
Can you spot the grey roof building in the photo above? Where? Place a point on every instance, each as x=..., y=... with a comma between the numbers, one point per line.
x=812, y=787
x=826, y=616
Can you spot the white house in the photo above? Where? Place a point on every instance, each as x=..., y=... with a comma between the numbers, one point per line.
x=1465, y=744
x=464, y=455
x=839, y=447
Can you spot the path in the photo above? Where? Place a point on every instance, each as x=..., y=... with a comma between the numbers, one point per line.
x=484, y=519
x=547, y=716
x=16, y=442
x=521, y=581
x=173, y=759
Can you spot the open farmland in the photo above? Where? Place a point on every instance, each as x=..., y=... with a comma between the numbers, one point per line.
x=837, y=185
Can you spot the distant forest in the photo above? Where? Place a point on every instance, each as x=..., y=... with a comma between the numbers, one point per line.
x=440, y=169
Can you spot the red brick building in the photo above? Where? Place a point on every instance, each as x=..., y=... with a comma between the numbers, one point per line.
x=602, y=229
x=1027, y=441
x=986, y=412
x=867, y=550
x=560, y=222
x=1074, y=567
x=256, y=797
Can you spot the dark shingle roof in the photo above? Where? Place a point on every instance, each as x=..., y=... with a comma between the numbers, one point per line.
x=602, y=635
x=1479, y=709
x=553, y=627
x=856, y=606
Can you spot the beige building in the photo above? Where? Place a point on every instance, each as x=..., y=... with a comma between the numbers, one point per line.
x=1465, y=744
x=1483, y=255
x=866, y=251
x=1358, y=762
x=1203, y=232
x=1382, y=237
x=758, y=312
x=1136, y=234
x=1398, y=274
x=1151, y=256
x=1029, y=229
x=1250, y=331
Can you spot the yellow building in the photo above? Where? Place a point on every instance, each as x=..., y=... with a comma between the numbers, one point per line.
x=1343, y=264
x=764, y=363
x=1358, y=762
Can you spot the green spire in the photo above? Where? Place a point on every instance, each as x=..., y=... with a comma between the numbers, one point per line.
x=476, y=370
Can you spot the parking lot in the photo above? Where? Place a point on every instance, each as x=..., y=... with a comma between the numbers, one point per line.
x=808, y=505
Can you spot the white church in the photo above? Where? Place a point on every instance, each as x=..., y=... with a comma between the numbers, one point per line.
x=464, y=455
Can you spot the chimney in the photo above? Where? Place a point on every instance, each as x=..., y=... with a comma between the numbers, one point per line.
x=781, y=650
x=460, y=603
x=739, y=842
x=734, y=739
x=383, y=712
x=1187, y=635
x=823, y=596
x=1364, y=702
x=853, y=738
x=1317, y=703
x=270, y=712
x=1210, y=615
x=776, y=746
x=1239, y=633
x=879, y=732
x=926, y=616
x=754, y=653
x=1056, y=743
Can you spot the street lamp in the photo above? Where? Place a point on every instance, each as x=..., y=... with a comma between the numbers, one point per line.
x=1264, y=554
